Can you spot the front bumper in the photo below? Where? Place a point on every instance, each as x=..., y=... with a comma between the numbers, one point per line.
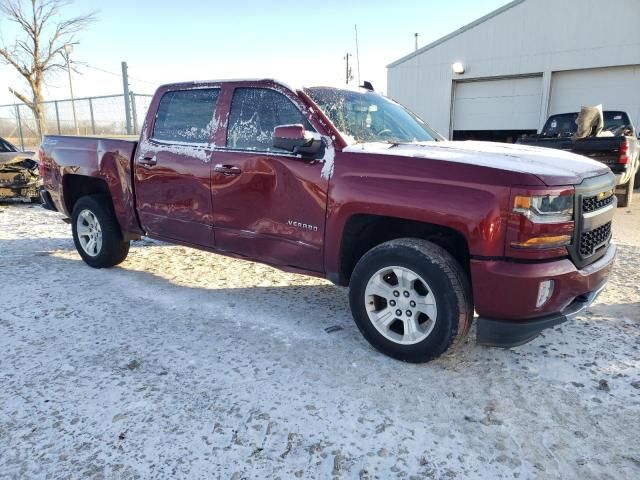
x=505, y=334
x=18, y=181
x=19, y=191
x=505, y=295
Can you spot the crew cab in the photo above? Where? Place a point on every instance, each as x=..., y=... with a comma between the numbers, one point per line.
x=350, y=186
x=618, y=148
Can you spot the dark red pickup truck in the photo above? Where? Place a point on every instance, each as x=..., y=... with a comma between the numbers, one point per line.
x=350, y=186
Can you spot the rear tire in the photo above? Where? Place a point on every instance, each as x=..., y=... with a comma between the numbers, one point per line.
x=624, y=199
x=96, y=232
x=411, y=299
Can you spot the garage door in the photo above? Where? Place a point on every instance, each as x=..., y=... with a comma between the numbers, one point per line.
x=505, y=104
x=616, y=88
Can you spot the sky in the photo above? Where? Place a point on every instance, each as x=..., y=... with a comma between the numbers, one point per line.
x=300, y=42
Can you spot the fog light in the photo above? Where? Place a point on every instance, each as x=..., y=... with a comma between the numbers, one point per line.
x=545, y=290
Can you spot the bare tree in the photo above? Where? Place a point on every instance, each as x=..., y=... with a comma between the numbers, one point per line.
x=39, y=47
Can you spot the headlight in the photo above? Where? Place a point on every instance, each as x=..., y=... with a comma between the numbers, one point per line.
x=545, y=208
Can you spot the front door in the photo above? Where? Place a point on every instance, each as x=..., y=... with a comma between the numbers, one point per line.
x=172, y=169
x=268, y=204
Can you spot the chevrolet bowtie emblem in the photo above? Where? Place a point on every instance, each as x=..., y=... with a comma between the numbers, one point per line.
x=603, y=195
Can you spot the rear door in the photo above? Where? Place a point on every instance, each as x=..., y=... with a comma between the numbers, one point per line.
x=268, y=204
x=172, y=168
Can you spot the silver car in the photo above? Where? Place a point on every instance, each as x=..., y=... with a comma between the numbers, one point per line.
x=19, y=173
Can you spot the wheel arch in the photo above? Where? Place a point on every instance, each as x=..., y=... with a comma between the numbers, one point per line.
x=75, y=187
x=362, y=232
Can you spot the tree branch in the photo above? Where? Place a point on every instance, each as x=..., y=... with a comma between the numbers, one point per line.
x=22, y=98
x=15, y=13
x=9, y=58
x=64, y=33
x=34, y=54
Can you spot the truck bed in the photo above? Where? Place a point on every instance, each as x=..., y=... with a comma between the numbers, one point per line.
x=603, y=149
x=107, y=160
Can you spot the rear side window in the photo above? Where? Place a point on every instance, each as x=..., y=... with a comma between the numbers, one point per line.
x=186, y=116
x=255, y=112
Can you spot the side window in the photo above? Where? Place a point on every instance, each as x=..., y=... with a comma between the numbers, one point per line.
x=255, y=112
x=185, y=116
x=4, y=147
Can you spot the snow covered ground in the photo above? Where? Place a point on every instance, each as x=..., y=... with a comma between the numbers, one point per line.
x=186, y=364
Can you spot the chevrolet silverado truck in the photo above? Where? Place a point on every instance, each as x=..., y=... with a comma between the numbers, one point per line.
x=619, y=148
x=350, y=186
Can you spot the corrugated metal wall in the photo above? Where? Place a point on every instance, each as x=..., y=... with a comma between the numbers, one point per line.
x=530, y=37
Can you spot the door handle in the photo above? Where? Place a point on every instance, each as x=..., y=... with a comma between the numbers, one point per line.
x=148, y=161
x=227, y=169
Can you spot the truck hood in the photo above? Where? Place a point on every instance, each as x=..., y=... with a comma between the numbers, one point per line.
x=8, y=158
x=553, y=167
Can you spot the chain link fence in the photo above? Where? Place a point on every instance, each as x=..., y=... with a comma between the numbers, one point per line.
x=95, y=116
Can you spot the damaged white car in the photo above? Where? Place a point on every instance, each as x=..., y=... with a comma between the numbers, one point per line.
x=19, y=173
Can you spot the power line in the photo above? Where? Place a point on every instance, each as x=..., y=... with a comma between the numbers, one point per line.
x=119, y=75
x=102, y=70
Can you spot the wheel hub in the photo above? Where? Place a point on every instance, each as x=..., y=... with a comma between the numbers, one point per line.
x=89, y=232
x=400, y=305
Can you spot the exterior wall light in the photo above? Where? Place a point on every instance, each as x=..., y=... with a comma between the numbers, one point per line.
x=458, y=68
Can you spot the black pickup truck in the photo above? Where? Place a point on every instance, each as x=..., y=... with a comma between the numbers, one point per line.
x=619, y=148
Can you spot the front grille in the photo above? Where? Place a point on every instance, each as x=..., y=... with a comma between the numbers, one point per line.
x=591, y=204
x=590, y=241
x=592, y=219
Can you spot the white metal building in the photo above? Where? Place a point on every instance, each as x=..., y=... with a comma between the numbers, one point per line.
x=523, y=62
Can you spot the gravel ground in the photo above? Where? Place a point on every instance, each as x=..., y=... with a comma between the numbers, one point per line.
x=184, y=364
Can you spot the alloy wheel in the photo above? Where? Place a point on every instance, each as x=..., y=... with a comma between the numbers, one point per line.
x=400, y=305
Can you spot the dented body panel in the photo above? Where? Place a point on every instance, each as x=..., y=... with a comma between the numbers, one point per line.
x=108, y=160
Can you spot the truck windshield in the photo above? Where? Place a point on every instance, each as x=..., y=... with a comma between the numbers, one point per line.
x=370, y=117
x=564, y=125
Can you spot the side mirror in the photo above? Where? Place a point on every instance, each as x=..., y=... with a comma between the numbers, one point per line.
x=295, y=139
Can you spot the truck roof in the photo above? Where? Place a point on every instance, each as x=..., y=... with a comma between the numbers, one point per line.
x=264, y=80
x=197, y=83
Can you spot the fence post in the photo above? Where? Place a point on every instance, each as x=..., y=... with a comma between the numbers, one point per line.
x=125, y=87
x=93, y=122
x=134, y=113
x=57, y=116
x=20, y=126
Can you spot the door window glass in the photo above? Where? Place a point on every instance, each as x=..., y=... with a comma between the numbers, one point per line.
x=186, y=116
x=5, y=147
x=255, y=112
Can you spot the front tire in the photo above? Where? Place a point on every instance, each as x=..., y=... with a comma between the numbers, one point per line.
x=411, y=299
x=96, y=232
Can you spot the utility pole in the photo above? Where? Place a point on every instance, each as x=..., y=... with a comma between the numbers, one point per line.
x=357, y=54
x=348, y=74
x=127, y=108
x=68, y=48
x=416, y=38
